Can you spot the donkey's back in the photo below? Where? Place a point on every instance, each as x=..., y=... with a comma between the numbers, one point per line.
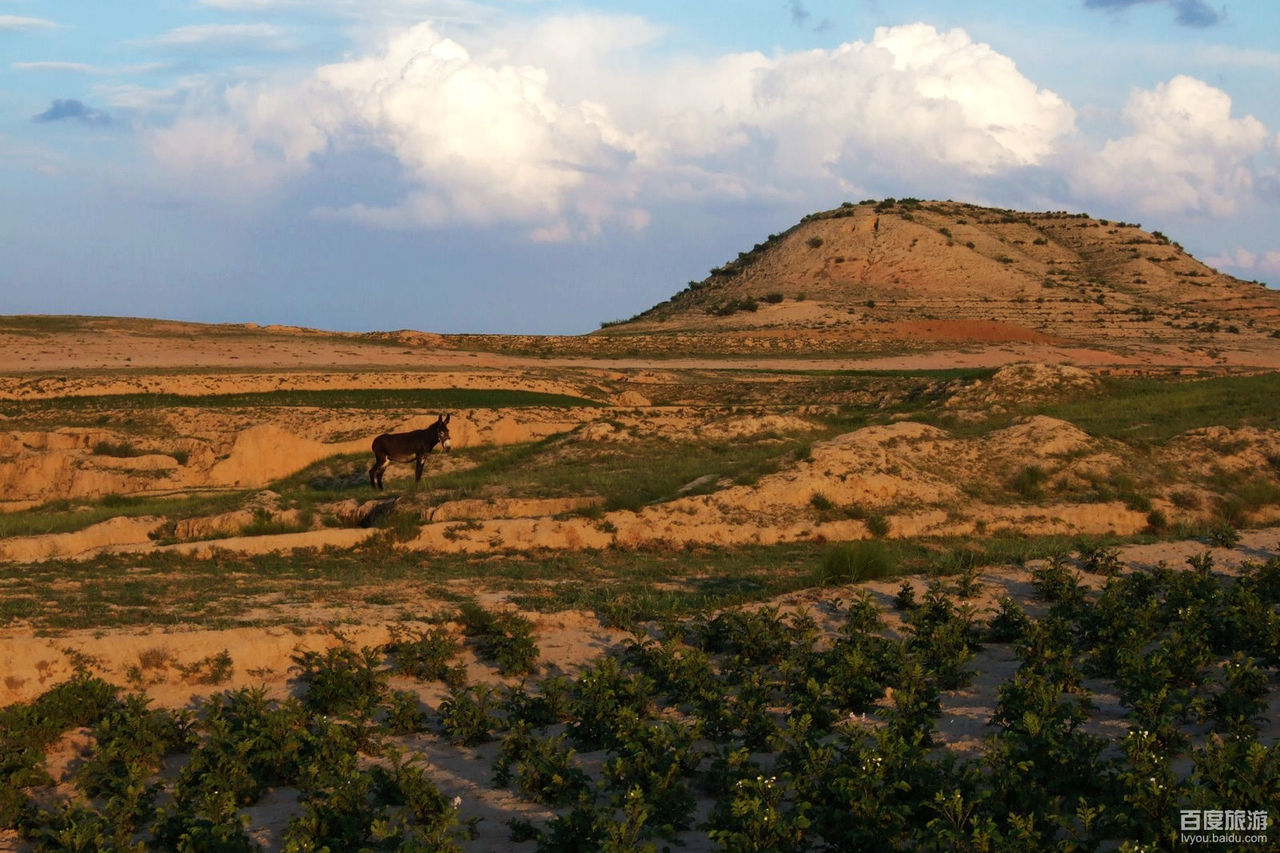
x=406, y=446
x=402, y=446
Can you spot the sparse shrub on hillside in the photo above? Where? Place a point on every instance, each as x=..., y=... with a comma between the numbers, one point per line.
x=265, y=523
x=773, y=298
x=1135, y=501
x=820, y=502
x=733, y=306
x=119, y=449
x=1246, y=498
x=853, y=562
x=1157, y=521
x=814, y=242
x=213, y=669
x=396, y=526
x=1223, y=534
x=1029, y=482
x=877, y=525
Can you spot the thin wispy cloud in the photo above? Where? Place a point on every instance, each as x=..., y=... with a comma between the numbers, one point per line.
x=71, y=109
x=1228, y=56
x=1190, y=13
x=86, y=68
x=802, y=17
x=249, y=5
x=19, y=23
x=222, y=37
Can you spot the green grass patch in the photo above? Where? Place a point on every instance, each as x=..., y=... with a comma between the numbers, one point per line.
x=433, y=399
x=622, y=587
x=627, y=475
x=1155, y=410
x=64, y=516
x=45, y=324
x=853, y=562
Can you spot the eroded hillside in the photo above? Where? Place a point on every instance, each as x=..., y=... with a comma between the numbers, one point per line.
x=931, y=274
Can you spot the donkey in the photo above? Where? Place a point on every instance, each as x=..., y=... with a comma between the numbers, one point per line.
x=403, y=446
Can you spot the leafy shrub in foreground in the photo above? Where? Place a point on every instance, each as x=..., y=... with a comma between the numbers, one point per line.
x=608, y=703
x=656, y=764
x=543, y=768
x=342, y=680
x=27, y=731
x=397, y=809
x=759, y=817
x=1040, y=751
x=430, y=658
x=753, y=636
x=467, y=714
x=944, y=637
x=506, y=639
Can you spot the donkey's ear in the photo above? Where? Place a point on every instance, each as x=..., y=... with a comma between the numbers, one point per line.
x=445, y=419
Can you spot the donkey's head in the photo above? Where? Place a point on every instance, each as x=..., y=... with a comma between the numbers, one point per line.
x=441, y=426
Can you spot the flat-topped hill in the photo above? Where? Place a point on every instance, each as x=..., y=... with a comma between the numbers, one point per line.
x=891, y=273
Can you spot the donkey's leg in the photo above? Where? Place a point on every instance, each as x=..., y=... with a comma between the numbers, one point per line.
x=375, y=473
x=419, y=462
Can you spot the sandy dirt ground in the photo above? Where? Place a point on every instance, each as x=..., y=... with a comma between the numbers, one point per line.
x=915, y=473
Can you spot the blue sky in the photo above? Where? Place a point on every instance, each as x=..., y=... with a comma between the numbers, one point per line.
x=537, y=166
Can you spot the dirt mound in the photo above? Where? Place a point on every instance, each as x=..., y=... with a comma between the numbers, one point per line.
x=474, y=510
x=903, y=479
x=1022, y=382
x=741, y=427
x=81, y=543
x=1038, y=438
x=265, y=453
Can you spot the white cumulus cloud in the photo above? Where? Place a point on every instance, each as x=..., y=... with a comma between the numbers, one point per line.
x=1186, y=153
x=1247, y=263
x=577, y=122
x=486, y=139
